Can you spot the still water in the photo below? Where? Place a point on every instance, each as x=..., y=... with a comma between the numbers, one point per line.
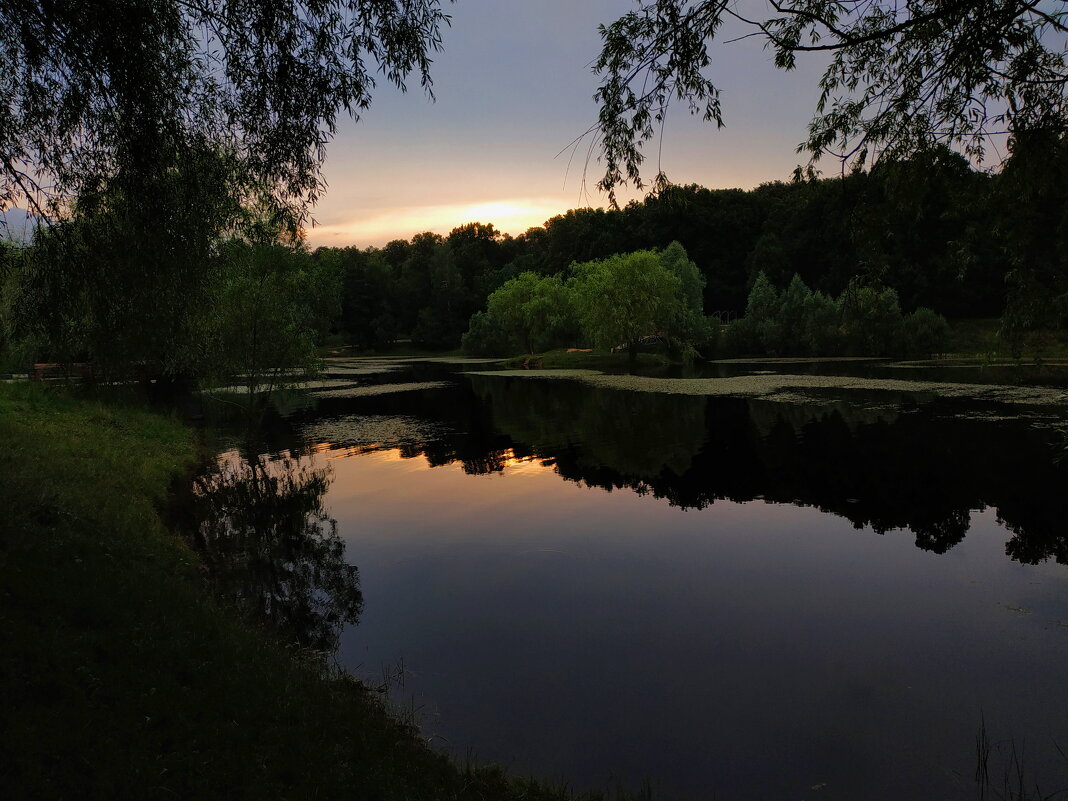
x=724, y=597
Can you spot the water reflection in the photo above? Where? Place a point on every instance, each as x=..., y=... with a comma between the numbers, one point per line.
x=579, y=635
x=271, y=549
x=885, y=462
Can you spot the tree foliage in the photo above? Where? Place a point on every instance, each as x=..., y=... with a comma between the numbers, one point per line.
x=902, y=76
x=266, y=303
x=623, y=299
x=527, y=313
x=106, y=88
x=1033, y=224
x=613, y=303
x=688, y=323
x=926, y=333
x=863, y=321
x=122, y=280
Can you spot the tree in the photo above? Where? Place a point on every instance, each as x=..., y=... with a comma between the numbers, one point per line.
x=550, y=314
x=266, y=301
x=366, y=312
x=122, y=281
x=691, y=283
x=479, y=250
x=105, y=88
x=623, y=299
x=485, y=336
x=688, y=325
x=822, y=336
x=795, y=299
x=902, y=76
x=757, y=331
x=1032, y=214
x=926, y=333
x=529, y=312
x=441, y=322
x=871, y=320
x=272, y=550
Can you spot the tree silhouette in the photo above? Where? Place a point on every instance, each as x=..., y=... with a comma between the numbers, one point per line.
x=101, y=88
x=271, y=549
x=902, y=76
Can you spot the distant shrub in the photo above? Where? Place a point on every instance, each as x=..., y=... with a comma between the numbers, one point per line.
x=762, y=314
x=711, y=337
x=926, y=332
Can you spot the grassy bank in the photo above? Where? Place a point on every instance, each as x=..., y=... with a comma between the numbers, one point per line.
x=587, y=360
x=981, y=339
x=122, y=678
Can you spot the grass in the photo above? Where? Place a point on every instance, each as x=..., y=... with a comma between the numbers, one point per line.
x=122, y=677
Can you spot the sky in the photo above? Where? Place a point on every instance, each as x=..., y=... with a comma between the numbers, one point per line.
x=513, y=88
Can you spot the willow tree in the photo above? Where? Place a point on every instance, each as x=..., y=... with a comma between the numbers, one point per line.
x=901, y=78
x=149, y=131
x=626, y=298
x=96, y=90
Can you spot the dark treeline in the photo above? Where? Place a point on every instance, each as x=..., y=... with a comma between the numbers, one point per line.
x=941, y=234
x=228, y=295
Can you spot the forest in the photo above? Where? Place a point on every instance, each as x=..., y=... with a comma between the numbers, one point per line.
x=937, y=233
x=944, y=236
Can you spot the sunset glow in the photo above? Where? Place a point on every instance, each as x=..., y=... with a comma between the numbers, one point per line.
x=513, y=216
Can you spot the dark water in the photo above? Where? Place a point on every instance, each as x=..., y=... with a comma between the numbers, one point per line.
x=729, y=598
x=1024, y=373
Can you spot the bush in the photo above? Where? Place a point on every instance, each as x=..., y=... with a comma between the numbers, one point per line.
x=711, y=337
x=17, y=356
x=926, y=333
x=761, y=333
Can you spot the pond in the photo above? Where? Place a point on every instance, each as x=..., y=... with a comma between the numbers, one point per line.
x=810, y=591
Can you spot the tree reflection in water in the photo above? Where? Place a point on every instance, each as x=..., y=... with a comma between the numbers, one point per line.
x=271, y=549
x=883, y=461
